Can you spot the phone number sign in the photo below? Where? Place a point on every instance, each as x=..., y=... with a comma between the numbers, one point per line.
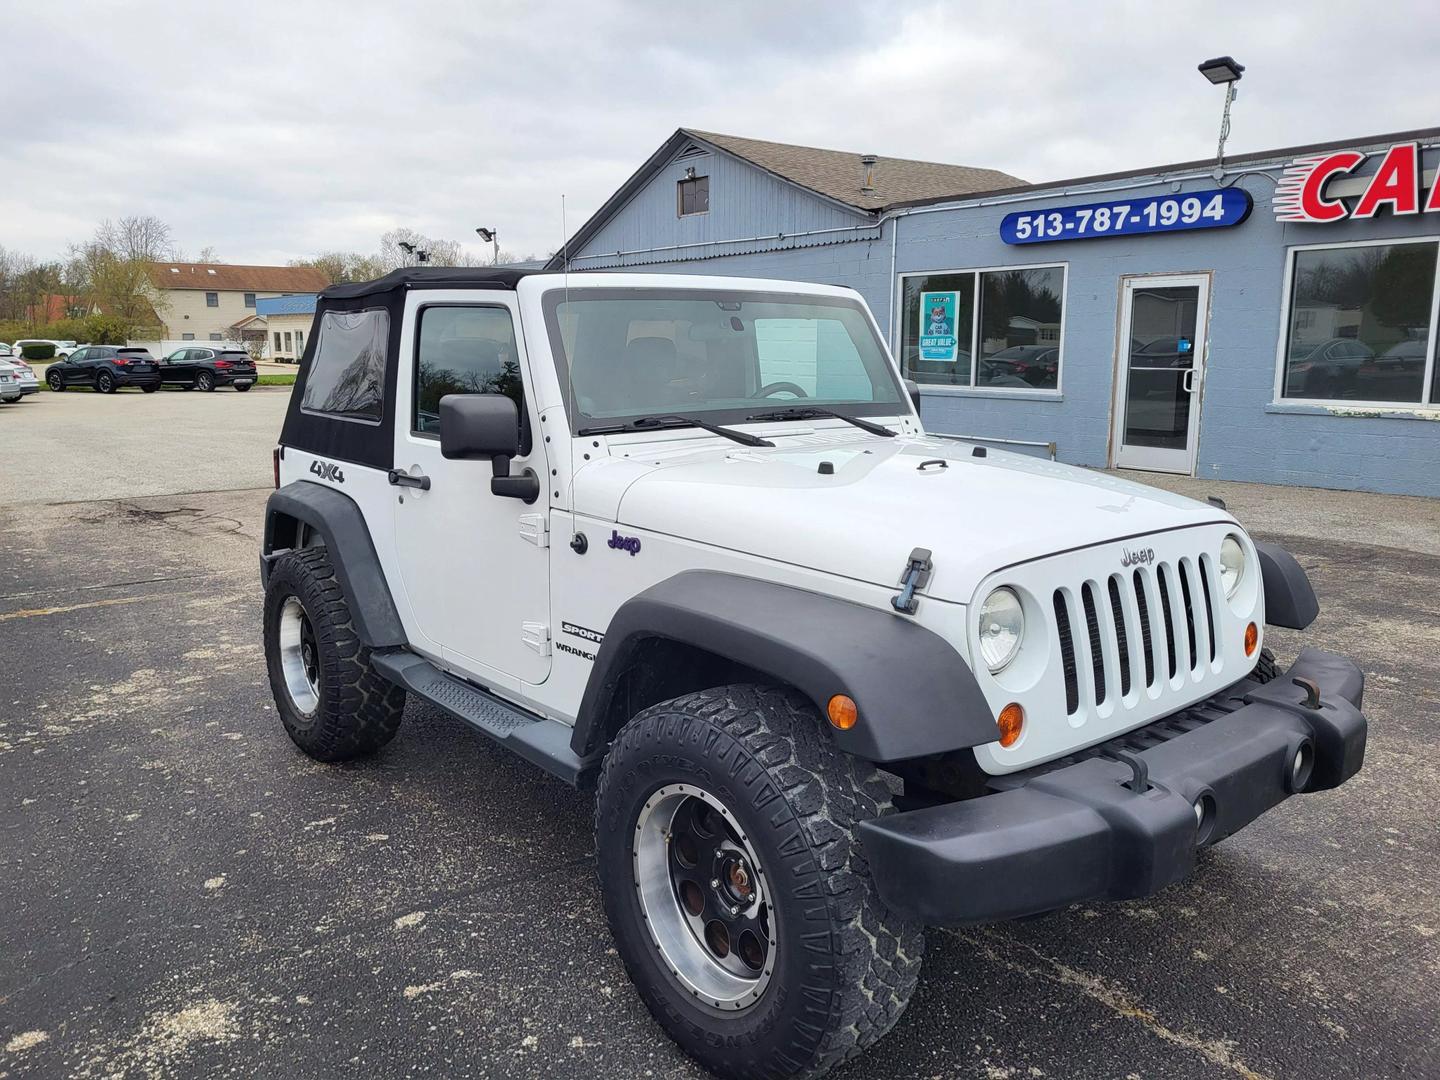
x=1220, y=208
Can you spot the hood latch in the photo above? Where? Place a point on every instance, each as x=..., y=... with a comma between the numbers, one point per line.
x=915, y=576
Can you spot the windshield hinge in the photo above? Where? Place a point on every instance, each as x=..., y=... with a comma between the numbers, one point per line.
x=536, y=636
x=536, y=529
x=915, y=576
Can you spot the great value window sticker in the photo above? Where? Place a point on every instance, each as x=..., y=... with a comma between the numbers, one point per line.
x=939, y=338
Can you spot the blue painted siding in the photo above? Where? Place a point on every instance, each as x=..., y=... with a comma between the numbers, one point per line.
x=298, y=304
x=1243, y=435
x=744, y=202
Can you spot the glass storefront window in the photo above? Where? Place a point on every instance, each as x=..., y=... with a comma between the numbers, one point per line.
x=1360, y=324
x=1020, y=328
x=960, y=317
x=1014, y=328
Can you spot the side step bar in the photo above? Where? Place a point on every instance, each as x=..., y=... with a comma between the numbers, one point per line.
x=539, y=740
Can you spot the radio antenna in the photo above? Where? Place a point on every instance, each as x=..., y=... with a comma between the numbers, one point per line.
x=572, y=418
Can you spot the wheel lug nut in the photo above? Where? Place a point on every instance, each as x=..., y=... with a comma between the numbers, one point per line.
x=734, y=911
x=714, y=883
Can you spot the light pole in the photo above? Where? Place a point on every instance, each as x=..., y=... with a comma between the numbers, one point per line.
x=410, y=249
x=491, y=237
x=1223, y=69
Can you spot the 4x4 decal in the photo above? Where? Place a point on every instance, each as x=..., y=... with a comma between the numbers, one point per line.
x=327, y=470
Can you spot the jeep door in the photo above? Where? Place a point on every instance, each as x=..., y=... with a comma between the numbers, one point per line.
x=475, y=569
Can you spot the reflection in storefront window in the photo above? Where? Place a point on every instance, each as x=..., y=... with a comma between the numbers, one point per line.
x=1020, y=328
x=1015, y=327
x=1360, y=323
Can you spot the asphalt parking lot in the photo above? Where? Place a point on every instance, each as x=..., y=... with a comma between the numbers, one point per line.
x=183, y=893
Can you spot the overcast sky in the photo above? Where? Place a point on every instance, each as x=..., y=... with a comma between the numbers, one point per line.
x=275, y=130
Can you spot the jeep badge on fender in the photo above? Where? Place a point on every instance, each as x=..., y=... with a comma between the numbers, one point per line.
x=795, y=770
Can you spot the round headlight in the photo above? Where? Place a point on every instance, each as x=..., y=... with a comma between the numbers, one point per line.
x=1002, y=624
x=1232, y=564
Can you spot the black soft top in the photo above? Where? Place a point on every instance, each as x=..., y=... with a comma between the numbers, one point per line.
x=365, y=442
x=463, y=277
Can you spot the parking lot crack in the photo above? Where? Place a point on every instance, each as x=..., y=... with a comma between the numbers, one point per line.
x=1000, y=950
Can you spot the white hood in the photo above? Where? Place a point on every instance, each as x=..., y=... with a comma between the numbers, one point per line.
x=975, y=514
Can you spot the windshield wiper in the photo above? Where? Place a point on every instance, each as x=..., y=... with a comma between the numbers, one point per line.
x=810, y=412
x=640, y=424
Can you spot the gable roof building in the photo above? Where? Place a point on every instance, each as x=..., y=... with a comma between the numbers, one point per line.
x=801, y=196
x=217, y=301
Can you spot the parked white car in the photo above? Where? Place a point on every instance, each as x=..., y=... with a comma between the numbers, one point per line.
x=29, y=381
x=62, y=348
x=9, y=382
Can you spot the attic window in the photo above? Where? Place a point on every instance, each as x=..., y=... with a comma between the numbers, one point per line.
x=693, y=195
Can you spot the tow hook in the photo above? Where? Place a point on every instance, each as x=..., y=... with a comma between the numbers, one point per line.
x=915, y=576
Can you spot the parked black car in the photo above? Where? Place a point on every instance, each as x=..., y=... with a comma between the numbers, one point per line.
x=107, y=368
x=205, y=369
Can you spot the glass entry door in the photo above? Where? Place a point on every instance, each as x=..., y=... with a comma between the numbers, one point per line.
x=1162, y=364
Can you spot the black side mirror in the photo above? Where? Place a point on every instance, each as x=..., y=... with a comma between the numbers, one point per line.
x=487, y=426
x=913, y=389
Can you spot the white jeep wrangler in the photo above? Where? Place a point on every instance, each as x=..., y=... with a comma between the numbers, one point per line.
x=684, y=539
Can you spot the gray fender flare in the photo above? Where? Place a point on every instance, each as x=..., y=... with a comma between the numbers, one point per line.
x=338, y=520
x=915, y=694
x=1289, y=597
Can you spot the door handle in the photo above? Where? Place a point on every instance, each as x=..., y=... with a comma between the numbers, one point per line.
x=404, y=479
x=1187, y=381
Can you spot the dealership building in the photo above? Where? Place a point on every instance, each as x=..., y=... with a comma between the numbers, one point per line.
x=1271, y=319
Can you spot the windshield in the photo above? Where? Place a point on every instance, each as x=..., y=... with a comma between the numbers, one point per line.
x=724, y=355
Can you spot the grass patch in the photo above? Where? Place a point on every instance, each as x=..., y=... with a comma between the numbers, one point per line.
x=276, y=380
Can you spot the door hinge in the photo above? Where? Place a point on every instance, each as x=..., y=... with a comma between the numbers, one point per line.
x=537, y=636
x=536, y=529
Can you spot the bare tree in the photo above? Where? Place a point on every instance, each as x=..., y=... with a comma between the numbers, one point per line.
x=136, y=238
x=344, y=266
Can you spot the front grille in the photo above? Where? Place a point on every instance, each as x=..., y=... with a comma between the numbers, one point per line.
x=1156, y=619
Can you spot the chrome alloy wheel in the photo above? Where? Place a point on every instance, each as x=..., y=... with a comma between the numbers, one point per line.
x=704, y=896
x=299, y=657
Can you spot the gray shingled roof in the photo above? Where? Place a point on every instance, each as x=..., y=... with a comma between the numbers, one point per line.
x=837, y=173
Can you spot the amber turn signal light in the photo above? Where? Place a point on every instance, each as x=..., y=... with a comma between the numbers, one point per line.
x=1252, y=639
x=1011, y=724
x=842, y=712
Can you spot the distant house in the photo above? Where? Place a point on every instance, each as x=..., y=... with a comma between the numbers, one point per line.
x=287, y=323
x=219, y=302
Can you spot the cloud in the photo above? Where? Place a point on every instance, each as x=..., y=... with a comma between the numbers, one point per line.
x=271, y=130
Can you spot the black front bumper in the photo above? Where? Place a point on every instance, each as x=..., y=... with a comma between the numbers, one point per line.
x=1057, y=836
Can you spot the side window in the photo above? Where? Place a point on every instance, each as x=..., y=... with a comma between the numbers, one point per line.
x=249, y=299
x=187, y=337
x=347, y=375
x=78, y=355
x=277, y=341
x=462, y=350
x=212, y=299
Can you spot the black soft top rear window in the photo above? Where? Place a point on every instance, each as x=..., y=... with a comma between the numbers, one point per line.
x=346, y=377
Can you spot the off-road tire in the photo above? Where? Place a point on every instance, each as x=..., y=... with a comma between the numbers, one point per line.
x=205, y=381
x=845, y=966
x=56, y=382
x=1266, y=668
x=358, y=711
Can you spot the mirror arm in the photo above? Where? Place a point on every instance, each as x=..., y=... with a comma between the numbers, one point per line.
x=525, y=487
